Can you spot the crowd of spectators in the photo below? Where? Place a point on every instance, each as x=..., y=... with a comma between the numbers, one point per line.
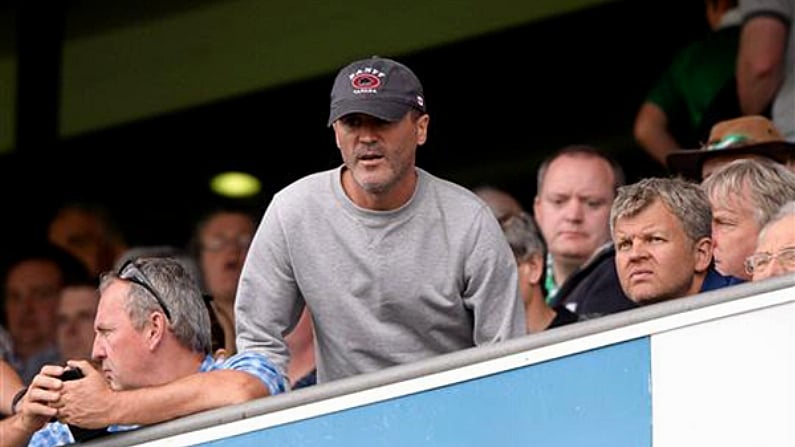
x=378, y=262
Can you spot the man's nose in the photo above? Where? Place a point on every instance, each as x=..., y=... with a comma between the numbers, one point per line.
x=368, y=132
x=638, y=250
x=716, y=237
x=97, y=350
x=69, y=326
x=574, y=210
x=27, y=304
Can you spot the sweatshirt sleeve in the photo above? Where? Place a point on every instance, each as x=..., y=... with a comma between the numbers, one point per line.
x=492, y=292
x=268, y=303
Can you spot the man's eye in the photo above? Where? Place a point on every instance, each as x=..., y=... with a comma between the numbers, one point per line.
x=594, y=203
x=351, y=121
x=723, y=222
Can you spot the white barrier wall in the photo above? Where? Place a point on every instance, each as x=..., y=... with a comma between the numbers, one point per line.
x=726, y=382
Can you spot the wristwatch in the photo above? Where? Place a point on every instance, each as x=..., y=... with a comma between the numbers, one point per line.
x=17, y=397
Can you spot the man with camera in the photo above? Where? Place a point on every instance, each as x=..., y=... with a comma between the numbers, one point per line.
x=152, y=339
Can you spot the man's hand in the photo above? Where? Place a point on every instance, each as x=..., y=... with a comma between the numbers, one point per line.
x=35, y=409
x=86, y=402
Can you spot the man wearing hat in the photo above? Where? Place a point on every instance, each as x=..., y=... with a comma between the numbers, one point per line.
x=745, y=137
x=394, y=264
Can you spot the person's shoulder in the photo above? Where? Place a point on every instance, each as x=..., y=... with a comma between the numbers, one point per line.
x=605, y=253
x=256, y=364
x=450, y=192
x=715, y=280
x=315, y=185
x=692, y=53
x=563, y=316
x=308, y=181
x=595, y=287
x=250, y=361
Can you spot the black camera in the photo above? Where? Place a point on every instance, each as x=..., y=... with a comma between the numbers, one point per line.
x=71, y=374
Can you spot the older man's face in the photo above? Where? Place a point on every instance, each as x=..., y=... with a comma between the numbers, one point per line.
x=734, y=233
x=779, y=241
x=122, y=350
x=655, y=258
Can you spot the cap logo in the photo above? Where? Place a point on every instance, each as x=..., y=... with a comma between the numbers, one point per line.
x=366, y=80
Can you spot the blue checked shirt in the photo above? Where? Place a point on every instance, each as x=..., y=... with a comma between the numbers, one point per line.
x=57, y=433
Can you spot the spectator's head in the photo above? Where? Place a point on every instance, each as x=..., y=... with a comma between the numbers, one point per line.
x=161, y=251
x=379, y=119
x=744, y=195
x=576, y=186
x=32, y=286
x=77, y=308
x=220, y=243
x=151, y=318
x=775, y=251
x=747, y=137
x=661, y=230
x=191, y=266
x=501, y=203
x=528, y=248
x=88, y=232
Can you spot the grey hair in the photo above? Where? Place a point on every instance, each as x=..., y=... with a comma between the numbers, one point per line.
x=786, y=210
x=146, y=251
x=769, y=185
x=522, y=234
x=177, y=287
x=686, y=200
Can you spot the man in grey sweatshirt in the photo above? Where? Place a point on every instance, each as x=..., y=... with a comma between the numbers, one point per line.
x=395, y=264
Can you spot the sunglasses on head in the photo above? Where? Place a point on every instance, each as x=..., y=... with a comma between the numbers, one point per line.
x=130, y=271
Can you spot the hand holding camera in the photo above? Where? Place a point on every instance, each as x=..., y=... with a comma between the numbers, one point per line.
x=71, y=373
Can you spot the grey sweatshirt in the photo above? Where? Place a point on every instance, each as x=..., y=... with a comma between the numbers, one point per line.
x=383, y=287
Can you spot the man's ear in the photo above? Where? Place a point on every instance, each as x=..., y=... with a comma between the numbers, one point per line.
x=703, y=254
x=336, y=135
x=535, y=264
x=422, y=129
x=537, y=207
x=156, y=330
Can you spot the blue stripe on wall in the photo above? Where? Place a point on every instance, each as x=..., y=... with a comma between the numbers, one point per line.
x=597, y=397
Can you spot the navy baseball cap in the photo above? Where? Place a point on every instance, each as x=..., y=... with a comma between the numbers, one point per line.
x=376, y=86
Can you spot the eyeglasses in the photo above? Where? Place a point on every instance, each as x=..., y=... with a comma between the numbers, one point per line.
x=215, y=244
x=761, y=261
x=131, y=272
